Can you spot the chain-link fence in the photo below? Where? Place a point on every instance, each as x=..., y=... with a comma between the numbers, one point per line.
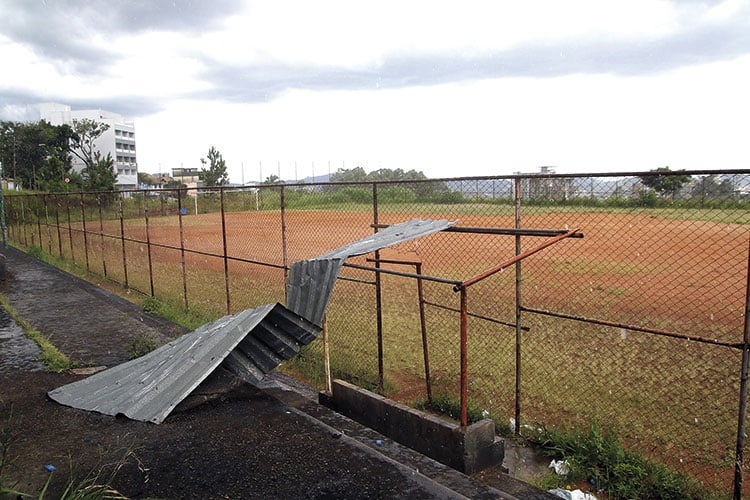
x=637, y=320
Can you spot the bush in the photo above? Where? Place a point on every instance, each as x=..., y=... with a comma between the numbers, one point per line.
x=598, y=456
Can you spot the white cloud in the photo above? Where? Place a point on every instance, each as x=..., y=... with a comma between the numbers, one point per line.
x=470, y=88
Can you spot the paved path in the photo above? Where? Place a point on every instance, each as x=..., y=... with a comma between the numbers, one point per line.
x=87, y=323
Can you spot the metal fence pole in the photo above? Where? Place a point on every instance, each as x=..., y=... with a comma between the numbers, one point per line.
x=101, y=234
x=38, y=223
x=85, y=235
x=378, y=290
x=23, y=224
x=226, y=260
x=464, y=359
x=70, y=229
x=57, y=223
x=517, y=410
x=743, y=390
x=148, y=248
x=46, y=221
x=122, y=240
x=3, y=226
x=423, y=325
x=284, y=256
x=182, y=248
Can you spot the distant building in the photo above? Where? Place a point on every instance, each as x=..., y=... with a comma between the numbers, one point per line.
x=191, y=177
x=118, y=140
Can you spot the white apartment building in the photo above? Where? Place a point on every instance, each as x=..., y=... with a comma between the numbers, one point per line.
x=118, y=140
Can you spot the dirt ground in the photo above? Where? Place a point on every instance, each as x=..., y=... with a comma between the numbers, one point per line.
x=252, y=443
x=650, y=271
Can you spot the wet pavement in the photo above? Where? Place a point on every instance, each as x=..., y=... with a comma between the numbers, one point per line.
x=274, y=443
x=17, y=352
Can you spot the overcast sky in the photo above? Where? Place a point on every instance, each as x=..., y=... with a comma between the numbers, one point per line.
x=447, y=87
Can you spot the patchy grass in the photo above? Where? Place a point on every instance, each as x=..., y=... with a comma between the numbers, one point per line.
x=52, y=358
x=596, y=456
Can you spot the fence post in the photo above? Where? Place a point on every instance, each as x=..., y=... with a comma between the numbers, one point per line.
x=284, y=257
x=464, y=359
x=122, y=240
x=423, y=325
x=226, y=260
x=182, y=248
x=2, y=217
x=517, y=412
x=378, y=290
x=46, y=222
x=23, y=224
x=743, y=389
x=70, y=229
x=85, y=236
x=38, y=223
x=148, y=248
x=57, y=223
x=101, y=234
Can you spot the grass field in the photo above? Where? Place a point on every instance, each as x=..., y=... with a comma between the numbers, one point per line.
x=683, y=272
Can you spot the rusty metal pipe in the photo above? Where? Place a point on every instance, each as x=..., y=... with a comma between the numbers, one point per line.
x=182, y=248
x=510, y=262
x=739, y=459
x=226, y=261
x=464, y=360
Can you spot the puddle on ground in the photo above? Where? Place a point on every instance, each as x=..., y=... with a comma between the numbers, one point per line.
x=17, y=352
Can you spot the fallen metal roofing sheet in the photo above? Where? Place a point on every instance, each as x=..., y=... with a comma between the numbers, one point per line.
x=248, y=344
x=311, y=282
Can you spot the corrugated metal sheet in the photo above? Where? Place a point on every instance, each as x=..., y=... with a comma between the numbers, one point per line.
x=311, y=282
x=248, y=344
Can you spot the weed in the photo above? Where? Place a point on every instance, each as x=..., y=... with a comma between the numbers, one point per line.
x=449, y=406
x=598, y=456
x=151, y=305
x=143, y=344
x=35, y=252
x=53, y=359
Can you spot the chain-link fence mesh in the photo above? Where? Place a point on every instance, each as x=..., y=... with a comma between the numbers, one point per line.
x=639, y=324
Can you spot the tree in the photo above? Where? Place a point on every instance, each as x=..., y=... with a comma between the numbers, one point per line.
x=216, y=174
x=356, y=174
x=665, y=184
x=102, y=176
x=272, y=179
x=36, y=155
x=94, y=174
x=708, y=188
x=85, y=133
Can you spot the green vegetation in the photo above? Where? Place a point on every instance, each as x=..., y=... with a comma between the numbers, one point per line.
x=598, y=457
x=447, y=405
x=144, y=343
x=53, y=359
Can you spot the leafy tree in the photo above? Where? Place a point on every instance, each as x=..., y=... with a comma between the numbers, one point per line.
x=272, y=179
x=101, y=176
x=420, y=189
x=216, y=174
x=357, y=174
x=665, y=184
x=709, y=188
x=85, y=133
x=147, y=179
x=35, y=155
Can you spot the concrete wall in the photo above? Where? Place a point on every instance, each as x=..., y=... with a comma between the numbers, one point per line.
x=467, y=449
